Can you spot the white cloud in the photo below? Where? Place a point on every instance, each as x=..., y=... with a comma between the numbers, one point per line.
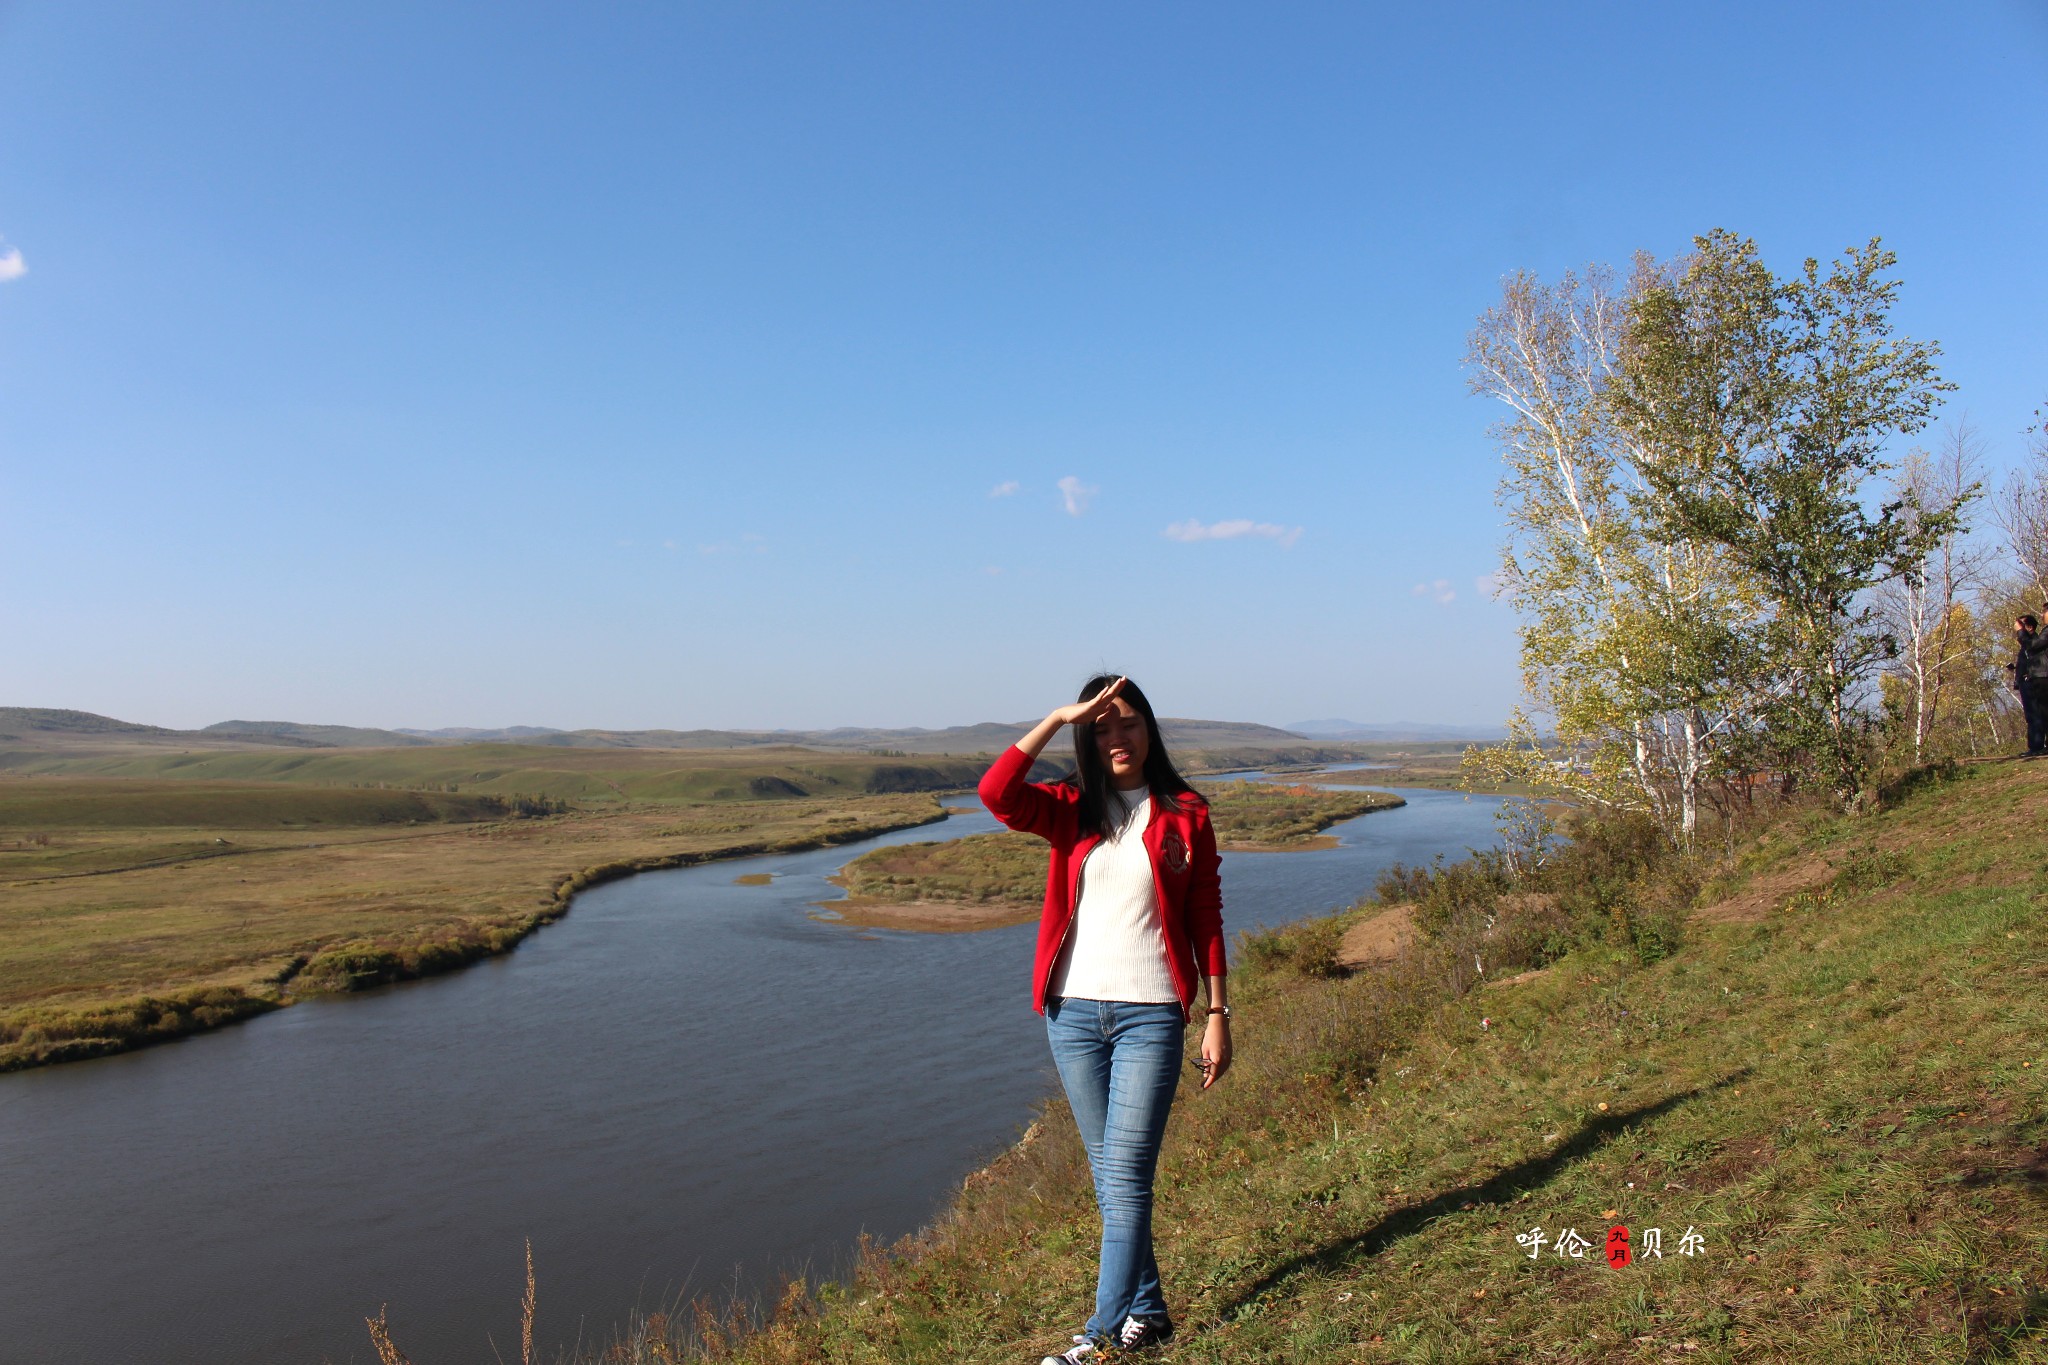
x=1439, y=591
x=1490, y=585
x=1005, y=488
x=1190, y=531
x=12, y=267
x=1076, y=495
x=748, y=543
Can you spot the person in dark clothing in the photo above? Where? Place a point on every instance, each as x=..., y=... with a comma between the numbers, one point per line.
x=2030, y=680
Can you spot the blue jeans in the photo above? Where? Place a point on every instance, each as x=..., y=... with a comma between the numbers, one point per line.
x=1119, y=1063
x=2034, y=706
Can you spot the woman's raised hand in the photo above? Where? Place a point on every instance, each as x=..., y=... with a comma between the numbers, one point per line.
x=1091, y=710
x=1080, y=713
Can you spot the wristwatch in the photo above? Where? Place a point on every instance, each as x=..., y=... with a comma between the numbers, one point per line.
x=1223, y=1010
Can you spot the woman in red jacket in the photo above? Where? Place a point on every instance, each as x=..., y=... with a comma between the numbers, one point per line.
x=1133, y=920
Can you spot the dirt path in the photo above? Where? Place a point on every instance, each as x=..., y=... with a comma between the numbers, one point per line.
x=1379, y=939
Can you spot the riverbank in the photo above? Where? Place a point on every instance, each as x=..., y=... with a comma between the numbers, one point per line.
x=118, y=936
x=1434, y=772
x=1825, y=1095
x=923, y=917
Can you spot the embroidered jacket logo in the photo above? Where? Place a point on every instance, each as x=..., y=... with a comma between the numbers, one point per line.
x=1173, y=854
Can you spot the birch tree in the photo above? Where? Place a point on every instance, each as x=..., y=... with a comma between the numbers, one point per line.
x=1926, y=611
x=2021, y=511
x=1774, y=402
x=1632, y=642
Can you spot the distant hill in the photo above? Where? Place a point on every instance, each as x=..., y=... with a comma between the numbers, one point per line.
x=38, y=729
x=19, y=721
x=313, y=736
x=1400, y=731
x=985, y=737
x=463, y=734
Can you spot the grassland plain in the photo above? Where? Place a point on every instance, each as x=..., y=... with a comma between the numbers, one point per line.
x=134, y=909
x=1835, y=1082
x=581, y=775
x=988, y=880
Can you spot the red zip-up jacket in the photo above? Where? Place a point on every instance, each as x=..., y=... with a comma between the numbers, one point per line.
x=1182, y=845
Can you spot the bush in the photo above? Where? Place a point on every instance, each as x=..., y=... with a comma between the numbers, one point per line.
x=1616, y=879
x=1307, y=948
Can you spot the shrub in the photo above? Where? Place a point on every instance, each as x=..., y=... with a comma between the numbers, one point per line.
x=1616, y=879
x=1462, y=895
x=1307, y=948
x=1401, y=884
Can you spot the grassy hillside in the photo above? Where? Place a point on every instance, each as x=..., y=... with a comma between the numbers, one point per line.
x=312, y=736
x=41, y=724
x=1831, y=1073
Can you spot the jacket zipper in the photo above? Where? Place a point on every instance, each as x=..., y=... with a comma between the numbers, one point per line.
x=1073, y=909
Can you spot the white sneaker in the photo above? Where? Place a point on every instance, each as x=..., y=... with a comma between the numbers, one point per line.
x=1084, y=1351
x=1138, y=1334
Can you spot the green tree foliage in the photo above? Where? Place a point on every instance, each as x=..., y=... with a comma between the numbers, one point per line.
x=1634, y=640
x=1770, y=403
x=1690, y=459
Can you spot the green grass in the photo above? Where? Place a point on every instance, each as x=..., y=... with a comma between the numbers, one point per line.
x=1843, y=1094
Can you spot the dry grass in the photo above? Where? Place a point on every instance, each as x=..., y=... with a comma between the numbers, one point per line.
x=380, y=1337
x=527, y=1305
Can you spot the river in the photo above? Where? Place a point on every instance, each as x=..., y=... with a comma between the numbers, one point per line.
x=685, y=1085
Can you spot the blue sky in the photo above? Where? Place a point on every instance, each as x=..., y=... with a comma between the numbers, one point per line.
x=638, y=365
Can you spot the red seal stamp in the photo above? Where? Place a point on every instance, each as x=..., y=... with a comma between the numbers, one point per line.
x=1617, y=1246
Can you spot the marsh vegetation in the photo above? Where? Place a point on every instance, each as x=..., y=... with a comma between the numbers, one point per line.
x=134, y=909
x=1006, y=871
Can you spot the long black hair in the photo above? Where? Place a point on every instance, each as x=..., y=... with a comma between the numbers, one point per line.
x=1091, y=774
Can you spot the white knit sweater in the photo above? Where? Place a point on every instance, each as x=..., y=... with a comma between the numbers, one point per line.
x=1116, y=947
